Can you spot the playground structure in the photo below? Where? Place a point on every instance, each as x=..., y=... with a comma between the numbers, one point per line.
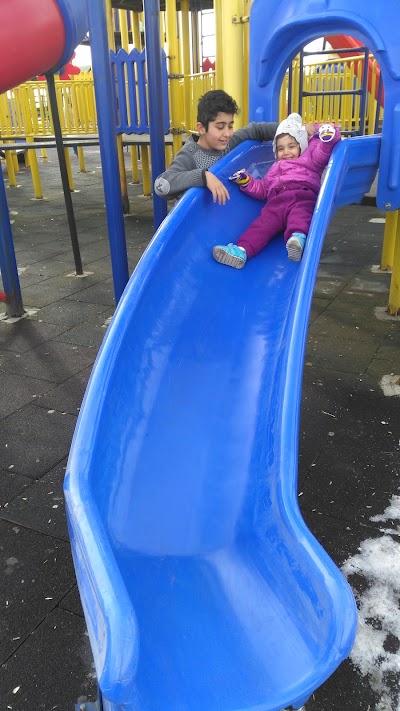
x=63, y=29
x=201, y=585
x=336, y=89
x=192, y=559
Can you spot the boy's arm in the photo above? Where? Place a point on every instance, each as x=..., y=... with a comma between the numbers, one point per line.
x=255, y=131
x=181, y=175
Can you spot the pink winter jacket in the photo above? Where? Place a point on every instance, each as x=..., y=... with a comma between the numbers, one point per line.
x=306, y=170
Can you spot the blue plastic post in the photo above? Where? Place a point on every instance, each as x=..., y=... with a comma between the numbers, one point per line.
x=8, y=264
x=108, y=146
x=155, y=82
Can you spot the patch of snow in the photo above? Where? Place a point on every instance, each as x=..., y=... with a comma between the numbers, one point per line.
x=390, y=385
x=376, y=652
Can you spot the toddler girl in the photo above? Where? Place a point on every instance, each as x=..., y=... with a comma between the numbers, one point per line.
x=291, y=187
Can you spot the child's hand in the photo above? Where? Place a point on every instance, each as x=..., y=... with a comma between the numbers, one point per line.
x=219, y=191
x=310, y=128
x=326, y=132
x=240, y=177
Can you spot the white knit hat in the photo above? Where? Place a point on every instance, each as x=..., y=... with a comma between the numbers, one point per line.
x=293, y=125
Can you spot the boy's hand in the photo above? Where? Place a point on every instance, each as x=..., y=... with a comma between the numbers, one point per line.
x=219, y=191
x=310, y=128
x=240, y=177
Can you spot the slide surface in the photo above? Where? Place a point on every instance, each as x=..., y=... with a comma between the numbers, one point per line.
x=202, y=587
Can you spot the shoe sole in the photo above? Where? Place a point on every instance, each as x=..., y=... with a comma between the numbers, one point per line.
x=229, y=259
x=295, y=251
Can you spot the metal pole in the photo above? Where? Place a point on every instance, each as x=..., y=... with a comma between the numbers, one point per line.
x=64, y=173
x=108, y=144
x=8, y=264
x=154, y=76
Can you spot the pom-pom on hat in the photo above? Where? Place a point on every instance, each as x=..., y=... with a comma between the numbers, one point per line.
x=292, y=125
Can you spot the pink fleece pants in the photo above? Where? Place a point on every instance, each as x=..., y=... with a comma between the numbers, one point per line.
x=288, y=211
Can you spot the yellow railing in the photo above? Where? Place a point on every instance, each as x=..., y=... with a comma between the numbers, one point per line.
x=331, y=76
x=25, y=110
x=192, y=87
x=25, y=113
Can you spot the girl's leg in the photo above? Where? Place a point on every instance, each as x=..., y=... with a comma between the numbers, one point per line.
x=269, y=224
x=299, y=215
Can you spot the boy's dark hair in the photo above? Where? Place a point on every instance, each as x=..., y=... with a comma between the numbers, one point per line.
x=212, y=103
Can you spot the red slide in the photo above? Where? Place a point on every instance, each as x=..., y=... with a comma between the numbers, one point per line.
x=32, y=40
x=339, y=42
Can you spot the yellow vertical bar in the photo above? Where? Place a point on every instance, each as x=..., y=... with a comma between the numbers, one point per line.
x=355, y=81
x=62, y=109
x=33, y=164
x=372, y=103
x=194, y=17
x=31, y=153
x=146, y=170
x=123, y=25
x=336, y=103
x=82, y=108
x=15, y=162
x=168, y=156
x=219, y=66
x=135, y=30
x=162, y=30
x=185, y=53
x=282, y=97
x=135, y=165
x=389, y=238
x=394, y=292
x=295, y=88
x=246, y=59
x=141, y=25
x=177, y=108
x=81, y=157
x=232, y=48
x=10, y=170
x=69, y=169
x=110, y=25
x=130, y=18
x=76, y=125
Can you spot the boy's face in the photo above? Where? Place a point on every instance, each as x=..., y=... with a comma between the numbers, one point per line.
x=287, y=147
x=218, y=134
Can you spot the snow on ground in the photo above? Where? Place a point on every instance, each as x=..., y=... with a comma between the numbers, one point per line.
x=376, y=653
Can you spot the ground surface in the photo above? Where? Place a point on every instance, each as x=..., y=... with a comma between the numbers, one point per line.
x=349, y=442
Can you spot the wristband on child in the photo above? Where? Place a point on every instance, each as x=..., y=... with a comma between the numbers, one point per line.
x=240, y=177
x=326, y=132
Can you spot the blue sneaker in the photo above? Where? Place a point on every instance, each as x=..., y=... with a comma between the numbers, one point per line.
x=295, y=246
x=230, y=254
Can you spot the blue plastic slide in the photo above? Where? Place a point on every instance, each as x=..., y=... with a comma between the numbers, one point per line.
x=202, y=587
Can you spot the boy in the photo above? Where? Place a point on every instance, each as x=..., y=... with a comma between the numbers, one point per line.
x=215, y=116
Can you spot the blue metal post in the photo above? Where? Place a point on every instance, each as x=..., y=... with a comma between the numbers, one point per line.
x=8, y=264
x=108, y=144
x=155, y=82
